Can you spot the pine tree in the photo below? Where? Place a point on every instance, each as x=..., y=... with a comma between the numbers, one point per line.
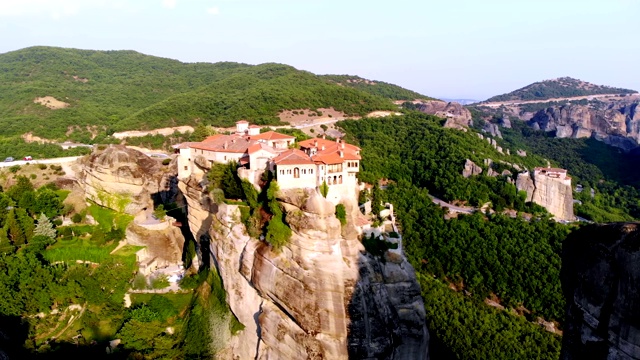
x=14, y=231
x=44, y=227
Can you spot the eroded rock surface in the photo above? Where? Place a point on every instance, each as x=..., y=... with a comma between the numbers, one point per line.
x=471, y=169
x=321, y=297
x=553, y=194
x=122, y=179
x=457, y=115
x=600, y=279
x=617, y=123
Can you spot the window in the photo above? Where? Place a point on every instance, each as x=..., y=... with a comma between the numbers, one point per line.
x=310, y=171
x=186, y=167
x=225, y=158
x=296, y=173
x=288, y=171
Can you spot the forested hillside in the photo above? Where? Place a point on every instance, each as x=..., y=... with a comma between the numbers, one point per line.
x=83, y=93
x=558, y=88
x=380, y=88
x=509, y=260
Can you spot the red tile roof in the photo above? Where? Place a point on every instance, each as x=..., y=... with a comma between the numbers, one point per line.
x=293, y=157
x=260, y=146
x=224, y=143
x=272, y=135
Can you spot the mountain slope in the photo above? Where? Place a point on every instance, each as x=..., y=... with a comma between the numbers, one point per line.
x=558, y=88
x=258, y=94
x=61, y=93
x=380, y=88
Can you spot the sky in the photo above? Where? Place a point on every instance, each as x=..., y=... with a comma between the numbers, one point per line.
x=448, y=49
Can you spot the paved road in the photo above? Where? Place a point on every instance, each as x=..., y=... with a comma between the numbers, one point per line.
x=459, y=209
x=61, y=160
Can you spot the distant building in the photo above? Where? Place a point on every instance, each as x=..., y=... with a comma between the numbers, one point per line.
x=318, y=161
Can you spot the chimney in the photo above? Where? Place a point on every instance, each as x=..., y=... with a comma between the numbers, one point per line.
x=324, y=136
x=322, y=147
x=341, y=153
x=337, y=140
x=226, y=144
x=342, y=144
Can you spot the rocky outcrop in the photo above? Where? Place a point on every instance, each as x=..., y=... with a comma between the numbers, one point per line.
x=554, y=194
x=122, y=179
x=164, y=242
x=600, y=279
x=492, y=129
x=505, y=122
x=617, y=123
x=471, y=169
x=321, y=296
x=457, y=115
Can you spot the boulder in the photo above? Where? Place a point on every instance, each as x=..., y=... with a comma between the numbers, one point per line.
x=471, y=169
x=122, y=179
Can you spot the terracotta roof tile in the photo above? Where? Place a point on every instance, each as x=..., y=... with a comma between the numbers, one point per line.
x=272, y=135
x=293, y=157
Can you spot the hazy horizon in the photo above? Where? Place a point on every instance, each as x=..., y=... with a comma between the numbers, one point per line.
x=459, y=49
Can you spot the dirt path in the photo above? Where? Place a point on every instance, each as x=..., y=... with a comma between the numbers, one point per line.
x=71, y=321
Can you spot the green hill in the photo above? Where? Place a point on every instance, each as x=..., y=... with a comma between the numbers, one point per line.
x=558, y=88
x=375, y=87
x=106, y=91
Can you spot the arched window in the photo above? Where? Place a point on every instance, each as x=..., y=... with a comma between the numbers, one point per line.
x=340, y=179
x=296, y=173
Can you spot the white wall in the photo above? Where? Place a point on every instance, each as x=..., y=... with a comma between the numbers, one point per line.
x=306, y=179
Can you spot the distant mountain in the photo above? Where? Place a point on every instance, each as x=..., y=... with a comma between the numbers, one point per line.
x=558, y=88
x=61, y=93
x=375, y=87
x=461, y=101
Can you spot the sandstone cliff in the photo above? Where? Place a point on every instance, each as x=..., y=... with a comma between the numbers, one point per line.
x=617, y=123
x=600, y=279
x=121, y=178
x=457, y=116
x=555, y=195
x=321, y=297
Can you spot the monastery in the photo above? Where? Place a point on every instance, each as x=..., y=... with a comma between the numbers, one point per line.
x=318, y=161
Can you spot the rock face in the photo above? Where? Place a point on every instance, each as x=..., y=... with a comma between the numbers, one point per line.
x=617, y=123
x=321, y=297
x=492, y=129
x=471, y=169
x=554, y=194
x=600, y=279
x=122, y=179
x=457, y=116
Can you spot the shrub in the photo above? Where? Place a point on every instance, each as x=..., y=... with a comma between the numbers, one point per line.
x=77, y=218
x=14, y=169
x=160, y=282
x=341, y=214
x=312, y=130
x=377, y=247
x=57, y=222
x=42, y=166
x=166, y=161
x=324, y=127
x=160, y=213
x=33, y=176
x=162, y=306
x=139, y=282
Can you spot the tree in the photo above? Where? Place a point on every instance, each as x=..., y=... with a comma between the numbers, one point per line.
x=159, y=213
x=324, y=189
x=47, y=202
x=22, y=185
x=44, y=227
x=13, y=229
x=201, y=132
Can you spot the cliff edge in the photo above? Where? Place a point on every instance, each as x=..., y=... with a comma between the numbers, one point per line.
x=321, y=296
x=600, y=279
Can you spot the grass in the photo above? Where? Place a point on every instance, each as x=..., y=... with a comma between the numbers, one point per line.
x=78, y=249
x=108, y=219
x=179, y=301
